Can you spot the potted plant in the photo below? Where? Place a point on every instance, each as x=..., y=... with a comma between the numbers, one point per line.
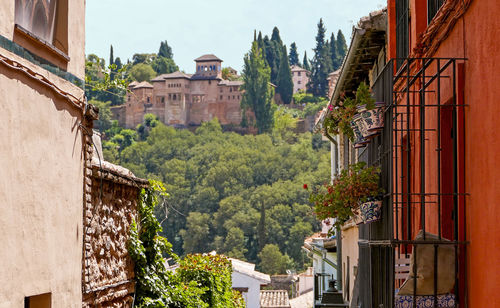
x=342, y=199
x=371, y=113
x=361, y=114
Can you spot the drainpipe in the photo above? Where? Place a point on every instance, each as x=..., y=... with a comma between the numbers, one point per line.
x=334, y=147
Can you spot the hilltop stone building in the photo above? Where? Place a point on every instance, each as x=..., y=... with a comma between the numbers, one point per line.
x=300, y=78
x=182, y=100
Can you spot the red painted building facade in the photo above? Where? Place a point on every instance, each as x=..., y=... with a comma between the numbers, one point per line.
x=446, y=148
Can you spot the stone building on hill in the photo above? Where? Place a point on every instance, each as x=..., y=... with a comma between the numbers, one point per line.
x=300, y=78
x=182, y=100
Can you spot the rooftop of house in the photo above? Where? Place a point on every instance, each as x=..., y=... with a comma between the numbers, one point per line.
x=143, y=84
x=133, y=84
x=174, y=75
x=296, y=68
x=249, y=270
x=206, y=58
x=274, y=299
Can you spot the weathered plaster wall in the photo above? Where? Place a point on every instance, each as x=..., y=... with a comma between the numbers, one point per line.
x=41, y=163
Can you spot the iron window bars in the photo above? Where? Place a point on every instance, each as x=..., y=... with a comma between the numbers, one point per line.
x=402, y=30
x=420, y=152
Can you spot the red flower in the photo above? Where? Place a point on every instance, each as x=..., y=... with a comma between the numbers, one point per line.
x=305, y=186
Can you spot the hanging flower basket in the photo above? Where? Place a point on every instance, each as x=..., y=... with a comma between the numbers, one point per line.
x=342, y=198
x=371, y=211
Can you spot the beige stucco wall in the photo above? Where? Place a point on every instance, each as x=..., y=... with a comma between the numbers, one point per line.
x=41, y=191
x=350, y=250
x=41, y=183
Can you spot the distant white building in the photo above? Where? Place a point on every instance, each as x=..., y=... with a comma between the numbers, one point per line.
x=248, y=281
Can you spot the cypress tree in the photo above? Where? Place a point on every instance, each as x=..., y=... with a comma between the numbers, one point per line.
x=341, y=47
x=305, y=62
x=165, y=51
x=333, y=51
x=284, y=81
x=111, y=58
x=258, y=94
x=294, y=56
x=321, y=64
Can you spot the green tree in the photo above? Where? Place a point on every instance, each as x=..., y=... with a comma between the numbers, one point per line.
x=305, y=62
x=341, y=47
x=197, y=232
x=272, y=261
x=294, y=55
x=284, y=81
x=258, y=94
x=234, y=245
x=162, y=65
x=165, y=50
x=142, y=72
x=111, y=57
x=118, y=63
x=334, y=53
x=104, y=121
x=146, y=58
x=321, y=64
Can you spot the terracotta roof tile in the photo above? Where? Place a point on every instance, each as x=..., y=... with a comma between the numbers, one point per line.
x=274, y=299
x=143, y=84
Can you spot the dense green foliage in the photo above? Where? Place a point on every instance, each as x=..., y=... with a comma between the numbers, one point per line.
x=258, y=93
x=200, y=281
x=293, y=57
x=284, y=83
x=231, y=193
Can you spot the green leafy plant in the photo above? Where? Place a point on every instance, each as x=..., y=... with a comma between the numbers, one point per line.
x=201, y=281
x=341, y=199
x=213, y=274
x=340, y=117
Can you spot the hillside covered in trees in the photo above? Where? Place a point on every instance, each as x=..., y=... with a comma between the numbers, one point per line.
x=239, y=195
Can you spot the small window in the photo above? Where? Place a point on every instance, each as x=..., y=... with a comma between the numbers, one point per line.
x=43, y=26
x=298, y=73
x=299, y=82
x=230, y=89
x=38, y=301
x=220, y=90
x=147, y=99
x=221, y=97
x=233, y=97
x=433, y=7
x=174, y=97
x=163, y=99
x=37, y=17
x=228, y=97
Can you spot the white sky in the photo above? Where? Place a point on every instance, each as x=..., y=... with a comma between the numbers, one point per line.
x=222, y=27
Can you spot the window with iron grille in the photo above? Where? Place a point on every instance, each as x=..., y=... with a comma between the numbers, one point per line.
x=402, y=31
x=432, y=8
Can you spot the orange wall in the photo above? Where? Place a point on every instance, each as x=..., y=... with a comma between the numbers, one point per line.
x=475, y=36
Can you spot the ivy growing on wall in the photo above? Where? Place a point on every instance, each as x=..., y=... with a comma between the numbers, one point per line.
x=200, y=281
